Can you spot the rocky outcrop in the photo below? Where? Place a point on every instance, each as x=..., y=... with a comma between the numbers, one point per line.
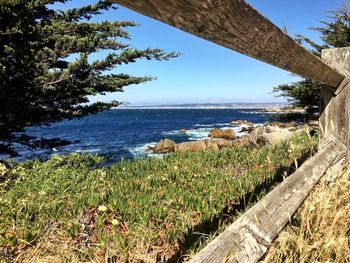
x=241, y=122
x=195, y=146
x=253, y=136
x=227, y=134
x=212, y=145
x=183, y=131
x=247, y=129
x=274, y=137
x=271, y=129
x=165, y=146
x=245, y=141
x=287, y=109
x=222, y=144
x=268, y=134
x=283, y=124
x=222, y=139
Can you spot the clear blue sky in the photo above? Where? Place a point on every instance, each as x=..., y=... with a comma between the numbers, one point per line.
x=206, y=72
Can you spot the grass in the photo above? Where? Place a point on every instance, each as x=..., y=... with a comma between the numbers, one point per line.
x=69, y=209
x=320, y=231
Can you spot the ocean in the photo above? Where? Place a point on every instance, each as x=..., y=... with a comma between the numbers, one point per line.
x=128, y=133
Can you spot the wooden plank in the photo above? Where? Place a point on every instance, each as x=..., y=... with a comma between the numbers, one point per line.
x=338, y=59
x=335, y=114
x=249, y=237
x=236, y=25
x=335, y=108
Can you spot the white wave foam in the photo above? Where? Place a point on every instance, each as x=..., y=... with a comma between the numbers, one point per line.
x=192, y=134
x=176, y=132
x=88, y=150
x=143, y=150
x=204, y=125
x=202, y=132
x=211, y=125
x=198, y=134
x=260, y=112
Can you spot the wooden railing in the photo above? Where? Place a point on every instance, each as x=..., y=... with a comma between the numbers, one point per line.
x=238, y=26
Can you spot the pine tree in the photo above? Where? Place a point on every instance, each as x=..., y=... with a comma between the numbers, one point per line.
x=39, y=82
x=334, y=34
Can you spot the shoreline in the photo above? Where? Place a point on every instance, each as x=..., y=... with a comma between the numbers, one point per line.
x=194, y=132
x=243, y=106
x=282, y=109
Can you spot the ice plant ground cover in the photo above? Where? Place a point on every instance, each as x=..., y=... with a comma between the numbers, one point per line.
x=70, y=209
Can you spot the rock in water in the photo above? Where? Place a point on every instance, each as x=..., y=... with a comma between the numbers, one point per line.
x=241, y=122
x=191, y=146
x=165, y=146
x=228, y=134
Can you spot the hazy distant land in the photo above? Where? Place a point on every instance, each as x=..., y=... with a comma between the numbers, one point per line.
x=209, y=106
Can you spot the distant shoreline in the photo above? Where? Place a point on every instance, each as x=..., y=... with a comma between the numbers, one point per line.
x=195, y=108
x=243, y=106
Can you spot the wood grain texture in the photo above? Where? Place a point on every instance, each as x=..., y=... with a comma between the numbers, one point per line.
x=236, y=25
x=338, y=59
x=335, y=106
x=247, y=240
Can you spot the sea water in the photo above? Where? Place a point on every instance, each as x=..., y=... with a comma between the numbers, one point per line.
x=128, y=133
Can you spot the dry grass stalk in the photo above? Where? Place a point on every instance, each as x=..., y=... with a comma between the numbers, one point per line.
x=320, y=231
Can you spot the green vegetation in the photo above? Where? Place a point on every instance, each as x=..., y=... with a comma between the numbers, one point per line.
x=334, y=34
x=69, y=209
x=46, y=71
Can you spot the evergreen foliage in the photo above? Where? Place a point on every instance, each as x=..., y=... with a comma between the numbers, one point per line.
x=334, y=34
x=40, y=82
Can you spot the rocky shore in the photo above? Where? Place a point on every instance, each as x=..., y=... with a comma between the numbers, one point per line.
x=8, y=146
x=218, y=139
x=284, y=110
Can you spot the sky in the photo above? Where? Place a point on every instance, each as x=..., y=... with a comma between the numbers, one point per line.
x=206, y=72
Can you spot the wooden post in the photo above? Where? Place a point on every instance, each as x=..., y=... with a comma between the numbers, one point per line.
x=335, y=104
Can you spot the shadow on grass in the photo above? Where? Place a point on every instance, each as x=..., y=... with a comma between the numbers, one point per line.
x=197, y=235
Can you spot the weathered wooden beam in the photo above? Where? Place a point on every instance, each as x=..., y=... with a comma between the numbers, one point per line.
x=338, y=59
x=247, y=239
x=335, y=106
x=236, y=25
